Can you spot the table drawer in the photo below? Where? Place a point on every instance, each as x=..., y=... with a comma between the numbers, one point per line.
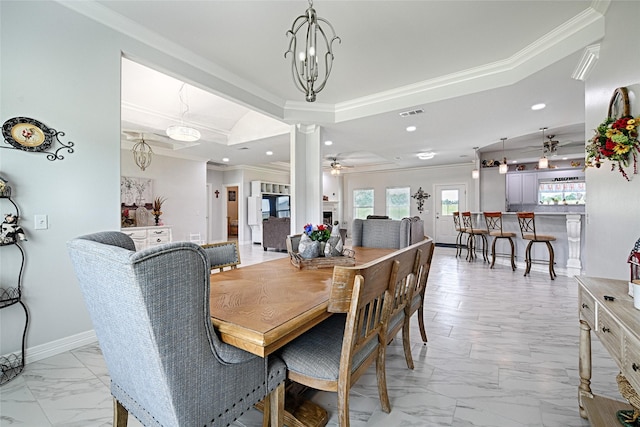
x=156, y=240
x=158, y=233
x=610, y=334
x=631, y=360
x=587, y=307
x=137, y=235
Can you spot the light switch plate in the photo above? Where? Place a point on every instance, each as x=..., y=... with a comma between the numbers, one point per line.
x=41, y=222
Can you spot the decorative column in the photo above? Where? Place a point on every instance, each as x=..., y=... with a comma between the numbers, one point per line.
x=574, y=266
x=306, y=176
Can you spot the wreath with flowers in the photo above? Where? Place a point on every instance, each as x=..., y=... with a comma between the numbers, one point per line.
x=616, y=139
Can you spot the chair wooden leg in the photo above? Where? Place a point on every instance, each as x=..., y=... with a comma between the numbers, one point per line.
x=552, y=271
x=485, y=251
x=406, y=343
x=493, y=252
x=423, y=331
x=382, y=379
x=471, y=248
x=343, y=403
x=120, y=414
x=528, y=258
x=513, y=254
x=459, y=244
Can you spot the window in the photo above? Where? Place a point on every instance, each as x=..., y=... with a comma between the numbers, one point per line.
x=362, y=203
x=450, y=199
x=398, y=202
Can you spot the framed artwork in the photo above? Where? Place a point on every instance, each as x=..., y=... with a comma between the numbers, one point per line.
x=136, y=191
x=232, y=195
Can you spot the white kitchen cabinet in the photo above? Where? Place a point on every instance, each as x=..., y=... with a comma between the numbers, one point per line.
x=522, y=189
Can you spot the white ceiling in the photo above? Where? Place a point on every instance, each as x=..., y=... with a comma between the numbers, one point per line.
x=474, y=67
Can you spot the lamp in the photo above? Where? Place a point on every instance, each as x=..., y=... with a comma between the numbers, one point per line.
x=181, y=132
x=304, y=61
x=142, y=153
x=475, y=173
x=504, y=167
x=543, y=163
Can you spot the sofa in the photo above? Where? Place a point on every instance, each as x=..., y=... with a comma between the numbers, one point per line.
x=275, y=232
x=387, y=233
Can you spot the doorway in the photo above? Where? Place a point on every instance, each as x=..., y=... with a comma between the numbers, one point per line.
x=449, y=198
x=232, y=213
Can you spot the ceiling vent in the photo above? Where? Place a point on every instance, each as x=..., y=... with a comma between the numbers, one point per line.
x=412, y=112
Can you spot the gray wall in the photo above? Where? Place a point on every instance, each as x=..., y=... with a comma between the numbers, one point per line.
x=613, y=204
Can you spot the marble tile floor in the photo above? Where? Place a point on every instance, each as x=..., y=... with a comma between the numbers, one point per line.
x=502, y=352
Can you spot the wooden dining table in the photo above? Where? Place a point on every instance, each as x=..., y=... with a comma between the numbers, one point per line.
x=261, y=307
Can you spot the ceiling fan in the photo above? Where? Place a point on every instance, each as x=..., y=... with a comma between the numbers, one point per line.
x=336, y=166
x=550, y=146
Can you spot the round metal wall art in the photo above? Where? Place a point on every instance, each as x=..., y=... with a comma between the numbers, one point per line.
x=27, y=134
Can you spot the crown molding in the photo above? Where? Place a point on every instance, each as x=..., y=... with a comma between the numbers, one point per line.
x=587, y=62
x=586, y=27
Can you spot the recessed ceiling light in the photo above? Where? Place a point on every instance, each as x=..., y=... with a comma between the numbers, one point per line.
x=536, y=107
x=269, y=153
x=225, y=159
x=411, y=128
x=328, y=142
x=426, y=155
x=514, y=161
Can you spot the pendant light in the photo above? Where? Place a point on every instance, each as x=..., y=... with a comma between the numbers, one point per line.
x=142, y=153
x=475, y=173
x=182, y=132
x=312, y=58
x=543, y=163
x=504, y=167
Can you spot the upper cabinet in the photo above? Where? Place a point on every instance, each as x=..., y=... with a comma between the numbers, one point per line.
x=260, y=187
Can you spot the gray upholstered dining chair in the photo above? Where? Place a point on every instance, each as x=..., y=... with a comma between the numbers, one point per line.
x=411, y=300
x=150, y=311
x=223, y=254
x=333, y=355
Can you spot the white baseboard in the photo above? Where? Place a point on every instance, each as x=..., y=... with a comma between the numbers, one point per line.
x=53, y=348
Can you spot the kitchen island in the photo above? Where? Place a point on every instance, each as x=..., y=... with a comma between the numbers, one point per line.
x=568, y=231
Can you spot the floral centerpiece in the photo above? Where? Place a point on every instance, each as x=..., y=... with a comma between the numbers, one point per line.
x=615, y=140
x=319, y=232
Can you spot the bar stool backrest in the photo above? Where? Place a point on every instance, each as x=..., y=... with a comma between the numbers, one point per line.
x=467, y=221
x=456, y=221
x=527, y=223
x=493, y=221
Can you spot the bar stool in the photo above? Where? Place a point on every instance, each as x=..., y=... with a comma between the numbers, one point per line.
x=461, y=231
x=527, y=223
x=494, y=228
x=467, y=224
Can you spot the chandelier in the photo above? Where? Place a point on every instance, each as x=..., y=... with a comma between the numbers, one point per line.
x=543, y=163
x=181, y=132
x=142, y=153
x=305, y=64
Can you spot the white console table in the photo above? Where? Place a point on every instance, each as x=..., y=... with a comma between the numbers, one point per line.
x=617, y=324
x=145, y=237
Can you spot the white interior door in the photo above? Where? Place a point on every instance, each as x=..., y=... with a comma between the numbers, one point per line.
x=449, y=198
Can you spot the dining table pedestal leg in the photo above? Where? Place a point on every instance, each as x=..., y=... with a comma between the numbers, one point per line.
x=298, y=410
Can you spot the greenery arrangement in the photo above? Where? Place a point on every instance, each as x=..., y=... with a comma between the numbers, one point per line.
x=615, y=140
x=319, y=232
